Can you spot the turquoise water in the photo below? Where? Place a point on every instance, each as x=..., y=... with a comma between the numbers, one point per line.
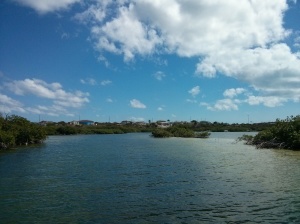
x=134, y=178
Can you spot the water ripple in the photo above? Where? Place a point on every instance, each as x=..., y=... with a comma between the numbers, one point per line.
x=138, y=179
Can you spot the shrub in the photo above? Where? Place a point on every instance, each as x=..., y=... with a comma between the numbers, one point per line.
x=284, y=134
x=16, y=130
x=161, y=133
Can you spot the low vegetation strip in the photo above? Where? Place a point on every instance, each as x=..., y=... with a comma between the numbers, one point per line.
x=178, y=132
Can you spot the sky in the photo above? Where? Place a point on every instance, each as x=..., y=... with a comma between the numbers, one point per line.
x=233, y=61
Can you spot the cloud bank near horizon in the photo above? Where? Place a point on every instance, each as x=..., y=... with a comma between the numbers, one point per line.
x=59, y=101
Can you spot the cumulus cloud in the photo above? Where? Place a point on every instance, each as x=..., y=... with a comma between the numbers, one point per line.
x=297, y=40
x=188, y=28
x=105, y=82
x=94, y=13
x=89, y=81
x=93, y=82
x=222, y=105
x=125, y=34
x=159, y=75
x=54, y=110
x=137, y=104
x=233, y=92
x=194, y=91
x=61, y=100
x=274, y=71
x=191, y=101
x=268, y=101
x=160, y=109
x=240, y=39
x=45, y=6
x=234, y=99
x=8, y=105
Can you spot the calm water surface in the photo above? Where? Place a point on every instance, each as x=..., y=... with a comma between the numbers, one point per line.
x=134, y=178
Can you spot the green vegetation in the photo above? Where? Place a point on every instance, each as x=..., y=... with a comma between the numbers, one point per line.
x=102, y=128
x=18, y=131
x=285, y=134
x=177, y=131
x=199, y=126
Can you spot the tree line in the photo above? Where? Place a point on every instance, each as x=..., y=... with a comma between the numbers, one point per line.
x=18, y=131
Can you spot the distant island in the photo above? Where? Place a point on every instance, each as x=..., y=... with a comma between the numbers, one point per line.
x=17, y=131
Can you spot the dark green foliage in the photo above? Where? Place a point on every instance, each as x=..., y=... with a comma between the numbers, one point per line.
x=178, y=131
x=181, y=132
x=104, y=128
x=285, y=134
x=16, y=131
x=161, y=133
x=204, y=134
x=200, y=126
x=247, y=138
x=66, y=130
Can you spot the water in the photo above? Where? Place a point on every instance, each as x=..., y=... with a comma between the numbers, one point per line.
x=134, y=178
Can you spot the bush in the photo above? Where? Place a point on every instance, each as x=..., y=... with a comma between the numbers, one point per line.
x=16, y=130
x=178, y=132
x=161, y=133
x=204, y=134
x=284, y=134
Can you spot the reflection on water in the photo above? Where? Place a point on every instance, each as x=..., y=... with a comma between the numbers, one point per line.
x=134, y=178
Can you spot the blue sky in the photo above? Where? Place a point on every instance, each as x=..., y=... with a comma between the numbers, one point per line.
x=107, y=60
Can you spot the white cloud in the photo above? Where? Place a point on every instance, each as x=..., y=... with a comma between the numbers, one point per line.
x=45, y=6
x=297, y=40
x=95, y=13
x=52, y=91
x=137, y=119
x=194, y=91
x=161, y=108
x=8, y=105
x=269, y=101
x=159, y=75
x=191, y=101
x=274, y=71
x=89, y=81
x=93, y=82
x=233, y=92
x=222, y=105
x=137, y=104
x=109, y=100
x=188, y=28
x=240, y=39
x=105, y=82
x=125, y=34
